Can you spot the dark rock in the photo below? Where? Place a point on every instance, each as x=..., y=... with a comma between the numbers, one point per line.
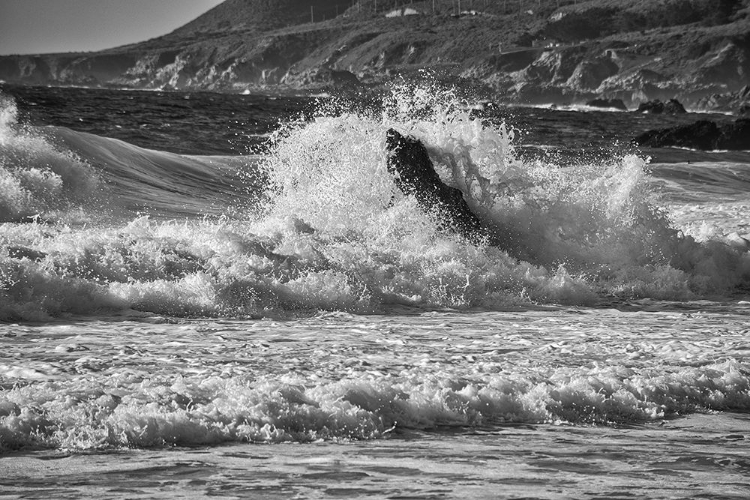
x=337, y=78
x=671, y=107
x=607, y=103
x=512, y=61
x=590, y=73
x=415, y=175
x=531, y=93
x=703, y=134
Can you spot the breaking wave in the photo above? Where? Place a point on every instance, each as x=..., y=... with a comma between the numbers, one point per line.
x=127, y=411
x=96, y=227
x=35, y=176
x=318, y=223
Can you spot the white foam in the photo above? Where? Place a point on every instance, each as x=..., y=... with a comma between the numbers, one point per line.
x=37, y=178
x=336, y=234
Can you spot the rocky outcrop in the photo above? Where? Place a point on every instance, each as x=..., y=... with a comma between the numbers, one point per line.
x=728, y=62
x=30, y=70
x=590, y=73
x=554, y=67
x=704, y=134
x=670, y=107
x=738, y=102
x=415, y=175
x=607, y=104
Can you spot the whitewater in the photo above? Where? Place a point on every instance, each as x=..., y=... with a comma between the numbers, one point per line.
x=286, y=322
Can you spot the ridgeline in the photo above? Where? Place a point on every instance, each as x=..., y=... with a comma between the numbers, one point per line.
x=523, y=51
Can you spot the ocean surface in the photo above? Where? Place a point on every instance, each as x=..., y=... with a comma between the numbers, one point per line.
x=227, y=295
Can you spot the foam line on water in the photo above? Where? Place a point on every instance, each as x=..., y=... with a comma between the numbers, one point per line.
x=130, y=411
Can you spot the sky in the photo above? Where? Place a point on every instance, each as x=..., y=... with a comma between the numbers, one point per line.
x=44, y=26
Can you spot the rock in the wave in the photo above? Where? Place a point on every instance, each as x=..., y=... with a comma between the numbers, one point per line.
x=415, y=175
x=703, y=134
x=607, y=103
x=671, y=107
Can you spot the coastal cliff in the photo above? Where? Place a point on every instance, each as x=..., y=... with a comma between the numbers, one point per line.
x=525, y=51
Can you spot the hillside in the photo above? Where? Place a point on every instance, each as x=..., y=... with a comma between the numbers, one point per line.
x=527, y=51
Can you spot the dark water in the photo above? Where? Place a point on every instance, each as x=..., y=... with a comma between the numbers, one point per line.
x=197, y=123
x=205, y=123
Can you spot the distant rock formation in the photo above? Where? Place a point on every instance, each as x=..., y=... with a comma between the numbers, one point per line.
x=607, y=103
x=556, y=52
x=415, y=175
x=337, y=78
x=703, y=134
x=671, y=107
x=732, y=102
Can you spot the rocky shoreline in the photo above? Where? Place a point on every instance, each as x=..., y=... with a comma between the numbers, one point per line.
x=560, y=52
x=705, y=135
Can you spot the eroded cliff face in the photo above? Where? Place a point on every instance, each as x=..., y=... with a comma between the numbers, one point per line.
x=690, y=63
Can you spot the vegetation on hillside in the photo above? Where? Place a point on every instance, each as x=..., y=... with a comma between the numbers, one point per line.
x=608, y=17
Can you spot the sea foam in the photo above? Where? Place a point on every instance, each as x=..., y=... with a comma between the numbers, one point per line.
x=36, y=177
x=320, y=224
x=129, y=411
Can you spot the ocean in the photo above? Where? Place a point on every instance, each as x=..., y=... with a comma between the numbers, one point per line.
x=213, y=295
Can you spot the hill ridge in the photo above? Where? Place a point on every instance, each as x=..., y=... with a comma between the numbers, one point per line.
x=527, y=51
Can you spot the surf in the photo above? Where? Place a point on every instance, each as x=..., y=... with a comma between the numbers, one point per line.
x=300, y=295
x=317, y=223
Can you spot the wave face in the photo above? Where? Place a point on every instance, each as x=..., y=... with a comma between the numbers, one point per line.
x=318, y=223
